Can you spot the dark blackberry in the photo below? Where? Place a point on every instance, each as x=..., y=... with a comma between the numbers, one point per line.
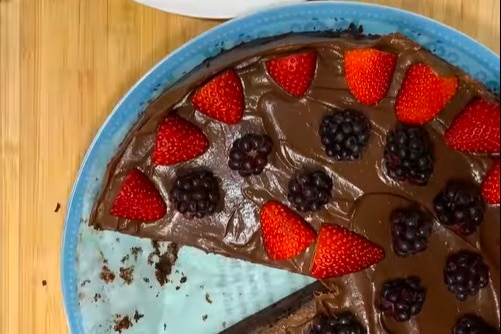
x=402, y=298
x=344, y=134
x=249, y=154
x=408, y=154
x=309, y=191
x=465, y=274
x=195, y=194
x=340, y=323
x=460, y=206
x=410, y=229
x=473, y=324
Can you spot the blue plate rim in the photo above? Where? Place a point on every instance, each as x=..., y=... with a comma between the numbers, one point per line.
x=68, y=270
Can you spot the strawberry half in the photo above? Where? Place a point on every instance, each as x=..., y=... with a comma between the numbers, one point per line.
x=491, y=185
x=285, y=234
x=178, y=140
x=368, y=73
x=423, y=95
x=340, y=251
x=294, y=73
x=222, y=98
x=138, y=199
x=476, y=129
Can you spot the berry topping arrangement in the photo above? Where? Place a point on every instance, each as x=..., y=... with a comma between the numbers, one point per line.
x=410, y=230
x=344, y=134
x=339, y=323
x=402, y=298
x=310, y=191
x=196, y=194
x=275, y=155
x=249, y=154
x=408, y=155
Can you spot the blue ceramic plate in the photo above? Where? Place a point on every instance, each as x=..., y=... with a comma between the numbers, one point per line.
x=236, y=287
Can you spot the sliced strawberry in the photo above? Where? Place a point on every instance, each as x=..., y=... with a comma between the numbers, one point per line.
x=340, y=251
x=294, y=73
x=222, y=98
x=423, y=95
x=178, y=140
x=476, y=129
x=491, y=185
x=138, y=199
x=285, y=234
x=368, y=73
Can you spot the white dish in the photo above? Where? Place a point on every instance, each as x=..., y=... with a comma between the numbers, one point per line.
x=214, y=9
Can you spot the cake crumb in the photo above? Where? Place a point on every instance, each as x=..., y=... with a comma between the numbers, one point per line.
x=204, y=317
x=127, y=274
x=58, y=206
x=106, y=274
x=85, y=282
x=97, y=296
x=122, y=323
x=208, y=299
x=163, y=267
x=125, y=259
x=138, y=316
x=136, y=252
x=44, y=283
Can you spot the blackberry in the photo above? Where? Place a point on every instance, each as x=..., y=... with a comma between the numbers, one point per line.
x=249, y=154
x=344, y=134
x=410, y=229
x=402, y=298
x=195, y=194
x=408, y=154
x=309, y=191
x=465, y=274
x=460, y=206
x=340, y=323
x=473, y=324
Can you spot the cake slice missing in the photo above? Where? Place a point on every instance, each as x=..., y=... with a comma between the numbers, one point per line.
x=325, y=155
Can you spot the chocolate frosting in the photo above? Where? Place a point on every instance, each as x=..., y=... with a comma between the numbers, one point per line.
x=363, y=196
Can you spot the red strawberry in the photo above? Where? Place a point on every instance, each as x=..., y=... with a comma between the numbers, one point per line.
x=178, y=140
x=476, y=129
x=423, y=95
x=222, y=98
x=491, y=185
x=340, y=251
x=285, y=234
x=138, y=199
x=368, y=74
x=293, y=73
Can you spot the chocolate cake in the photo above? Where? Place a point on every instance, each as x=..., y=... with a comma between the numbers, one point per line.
x=363, y=160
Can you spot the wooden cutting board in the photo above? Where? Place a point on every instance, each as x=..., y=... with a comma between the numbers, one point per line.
x=63, y=65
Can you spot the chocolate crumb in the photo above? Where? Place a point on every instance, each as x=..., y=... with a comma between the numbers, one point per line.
x=204, y=317
x=136, y=251
x=224, y=324
x=177, y=271
x=207, y=298
x=97, y=296
x=85, y=282
x=165, y=327
x=127, y=274
x=178, y=287
x=163, y=267
x=158, y=294
x=58, y=206
x=138, y=316
x=107, y=275
x=117, y=239
x=125, y=258
x=122, y=323
x=146, y=280
x=183, y=279
x=202, y=287
x=44, y=283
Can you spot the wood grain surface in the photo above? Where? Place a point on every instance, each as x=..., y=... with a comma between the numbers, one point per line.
x=63, y=65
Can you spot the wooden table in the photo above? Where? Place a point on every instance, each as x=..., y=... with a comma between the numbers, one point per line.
x=63, y=65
